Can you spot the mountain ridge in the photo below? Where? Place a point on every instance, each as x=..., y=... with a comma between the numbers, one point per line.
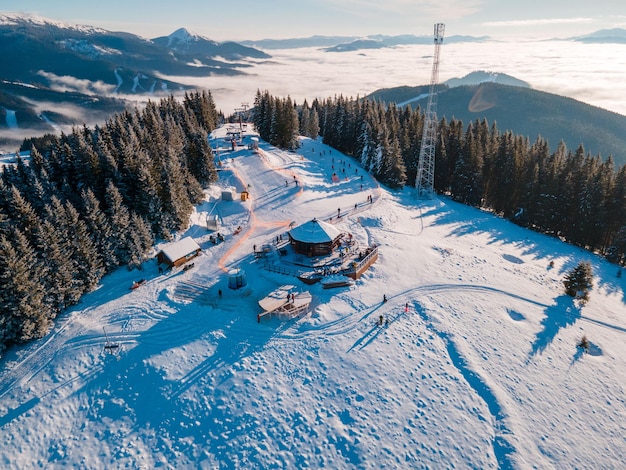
x=524, y=111
x=609, y=36
x=349, y=43
x=85, y=68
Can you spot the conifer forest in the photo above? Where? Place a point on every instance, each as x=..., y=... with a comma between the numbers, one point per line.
x=97, y=199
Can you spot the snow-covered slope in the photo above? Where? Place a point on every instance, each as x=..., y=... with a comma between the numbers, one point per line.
x=476, y=368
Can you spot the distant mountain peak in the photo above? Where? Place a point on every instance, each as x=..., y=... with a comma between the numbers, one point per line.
x=482, y=76
x=182, y=34
x=183, y=40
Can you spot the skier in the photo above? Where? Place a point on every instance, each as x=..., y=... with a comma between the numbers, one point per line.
x=384, y=298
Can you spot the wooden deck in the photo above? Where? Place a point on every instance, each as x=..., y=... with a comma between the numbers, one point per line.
x=285, y=301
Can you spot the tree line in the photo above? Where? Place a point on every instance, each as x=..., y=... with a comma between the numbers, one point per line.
x=96, y=199
x=92, y=200
x=575, y=196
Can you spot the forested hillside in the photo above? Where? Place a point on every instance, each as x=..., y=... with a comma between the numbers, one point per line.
x=525, y=112
x=570, y=194
x=96, y=199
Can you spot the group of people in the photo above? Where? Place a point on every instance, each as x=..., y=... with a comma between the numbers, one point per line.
x=382, y=319
x=214, y=240
x=295, y=181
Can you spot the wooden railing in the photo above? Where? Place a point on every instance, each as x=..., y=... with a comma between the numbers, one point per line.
x=276, y=268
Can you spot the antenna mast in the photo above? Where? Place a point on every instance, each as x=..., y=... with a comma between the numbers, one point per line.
x=425, y=181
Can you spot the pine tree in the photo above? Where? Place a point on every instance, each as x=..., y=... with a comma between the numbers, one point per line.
x=203, y=108
x=304, y=115
x=615, y=227
x=392, y=171
x=200, y=159
x=174, y=194
x=59, y=284
x=119, y=220
x=292, y=125
x=263, y=114
x=25, y=315
x=449, y=152
x=88, y=264
x=467, y=181
x=503, y=178
x=579, y=281
x=530, y=191
x=140, y=241
x=100, y=230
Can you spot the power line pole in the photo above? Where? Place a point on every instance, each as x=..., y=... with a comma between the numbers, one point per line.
x=425, y=181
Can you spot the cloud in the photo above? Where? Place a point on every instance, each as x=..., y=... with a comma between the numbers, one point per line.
x=588, y=73
x=452, y=9
x=536, y=22
x=69, y=83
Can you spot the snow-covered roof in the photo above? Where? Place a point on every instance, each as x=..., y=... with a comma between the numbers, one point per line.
x=276, y=299
x=180, y=249
x=314, y=231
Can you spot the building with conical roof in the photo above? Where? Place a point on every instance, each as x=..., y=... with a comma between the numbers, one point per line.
x=314, y=238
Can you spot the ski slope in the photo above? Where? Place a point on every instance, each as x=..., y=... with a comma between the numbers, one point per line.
x=476, y=368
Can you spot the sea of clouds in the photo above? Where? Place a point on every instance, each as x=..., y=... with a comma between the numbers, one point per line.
x=592, y=73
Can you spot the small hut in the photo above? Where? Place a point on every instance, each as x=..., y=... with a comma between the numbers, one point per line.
x=178, y=253
x=212, y=222
x=314, y=238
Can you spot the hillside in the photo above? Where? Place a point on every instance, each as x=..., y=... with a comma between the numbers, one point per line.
x=53, y=74
x=476, y=368
x=40, y=110
x=39, y=51
x=526, y=112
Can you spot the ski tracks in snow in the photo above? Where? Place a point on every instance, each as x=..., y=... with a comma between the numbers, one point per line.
x=78, y=330
x=366, y=318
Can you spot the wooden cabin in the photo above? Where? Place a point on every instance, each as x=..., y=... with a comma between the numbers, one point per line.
x=314, y=238
x=178, y=253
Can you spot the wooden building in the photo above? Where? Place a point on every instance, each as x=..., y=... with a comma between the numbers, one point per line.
x=178, y=253
x=314, y=238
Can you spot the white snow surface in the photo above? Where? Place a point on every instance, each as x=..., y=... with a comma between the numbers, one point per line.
x=478, y=366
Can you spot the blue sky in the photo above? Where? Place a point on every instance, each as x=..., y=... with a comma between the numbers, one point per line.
x=258, y=19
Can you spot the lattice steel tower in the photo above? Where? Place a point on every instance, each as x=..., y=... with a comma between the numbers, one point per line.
x=425, y=181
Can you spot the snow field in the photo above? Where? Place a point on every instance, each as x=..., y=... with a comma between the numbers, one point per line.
x=480, y=371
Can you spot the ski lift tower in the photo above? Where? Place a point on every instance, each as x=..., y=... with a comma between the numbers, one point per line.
x=425, y=181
